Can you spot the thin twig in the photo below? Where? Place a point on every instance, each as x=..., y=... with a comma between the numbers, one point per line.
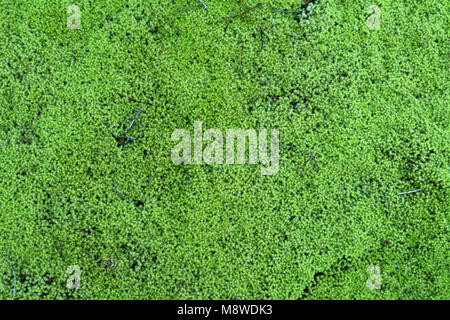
x=262, y=41
x=240, y=15
x=240, y=59
x=181, y=10
x=138, y=113
x=408, y=192
x=204, y=4
x=286, y=11
x=154, y=31
x=315, y=164
x=229, y=17
x=117, y=191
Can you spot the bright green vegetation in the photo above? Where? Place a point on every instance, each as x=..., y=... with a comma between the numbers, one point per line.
x=370, y=105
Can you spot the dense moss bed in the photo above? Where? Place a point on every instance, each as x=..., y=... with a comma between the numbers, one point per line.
x=369, y=107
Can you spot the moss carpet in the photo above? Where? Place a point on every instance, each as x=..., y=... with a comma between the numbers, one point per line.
x=367, y=103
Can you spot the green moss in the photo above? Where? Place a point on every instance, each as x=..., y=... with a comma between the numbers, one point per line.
x=369, y=105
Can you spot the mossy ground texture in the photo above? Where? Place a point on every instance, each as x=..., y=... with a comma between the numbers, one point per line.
x=371, y=106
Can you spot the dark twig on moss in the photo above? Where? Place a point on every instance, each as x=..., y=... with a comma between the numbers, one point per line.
x=138, y=113
x=288, y=146
x=117, y=191
x=122, y=140
x=181, y=10
x=297, y=169
x=306, y=3
x=229, y=17
x=262, y=40
x=241, y=15
x=240, y=59
x=285, y=11
x=155, y=31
